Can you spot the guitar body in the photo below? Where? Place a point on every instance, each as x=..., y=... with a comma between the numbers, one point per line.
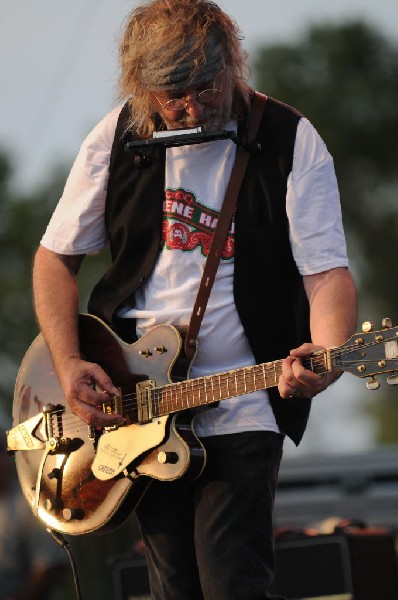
x=59, y=483
x=78, y=480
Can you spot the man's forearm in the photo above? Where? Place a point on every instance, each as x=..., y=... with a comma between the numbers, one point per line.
x=333, y=315
x=333, y=306
x=56, y=302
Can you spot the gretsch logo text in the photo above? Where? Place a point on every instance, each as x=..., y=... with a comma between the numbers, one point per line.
x=25, y=436
x=105, y=469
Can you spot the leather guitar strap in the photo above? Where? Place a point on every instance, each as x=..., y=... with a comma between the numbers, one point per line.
x=224, y=223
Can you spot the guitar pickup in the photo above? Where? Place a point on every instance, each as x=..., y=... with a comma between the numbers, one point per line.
x=144, y=400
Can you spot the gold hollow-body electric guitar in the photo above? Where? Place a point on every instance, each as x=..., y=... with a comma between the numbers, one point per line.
x=79, y=480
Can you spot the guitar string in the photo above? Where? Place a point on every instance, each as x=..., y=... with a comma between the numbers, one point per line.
x=196, y=385
x=199, y=385
x=155, y=398
x=238, y=378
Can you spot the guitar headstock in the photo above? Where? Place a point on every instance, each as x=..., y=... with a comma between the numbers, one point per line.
x=370, y=353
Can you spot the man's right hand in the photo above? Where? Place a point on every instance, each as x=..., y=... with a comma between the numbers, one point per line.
x=87, y=387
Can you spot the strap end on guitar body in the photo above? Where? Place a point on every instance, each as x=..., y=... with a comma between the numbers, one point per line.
x=190, y=347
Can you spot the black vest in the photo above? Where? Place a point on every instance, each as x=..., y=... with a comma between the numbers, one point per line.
x=268, y=289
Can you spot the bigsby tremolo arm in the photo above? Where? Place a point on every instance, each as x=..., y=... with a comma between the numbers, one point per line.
x=35, y=433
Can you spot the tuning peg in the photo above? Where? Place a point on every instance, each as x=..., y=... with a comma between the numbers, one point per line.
x=367, y=326
x=392, y=380
x=386, y=323
x=373, y=384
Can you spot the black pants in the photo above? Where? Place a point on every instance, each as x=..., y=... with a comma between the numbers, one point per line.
x=212, y=538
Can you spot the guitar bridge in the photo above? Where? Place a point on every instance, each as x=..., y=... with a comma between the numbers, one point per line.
x=144, y=400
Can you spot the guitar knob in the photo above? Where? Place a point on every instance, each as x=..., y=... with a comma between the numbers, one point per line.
x=53, y=504
x=367, y=326
x=386, y=323
x=73, y=514
x=373, y=384
x=167, y=457
x=161, y=349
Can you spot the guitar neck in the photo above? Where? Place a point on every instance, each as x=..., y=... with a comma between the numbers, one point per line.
x=202, y=391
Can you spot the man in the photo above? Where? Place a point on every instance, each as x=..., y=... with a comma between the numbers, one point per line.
x=182, y=66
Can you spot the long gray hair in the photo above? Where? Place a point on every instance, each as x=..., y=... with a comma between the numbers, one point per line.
x=172, y=44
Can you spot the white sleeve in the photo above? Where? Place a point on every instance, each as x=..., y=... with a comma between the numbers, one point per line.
x=313, y=205
x=77, y=225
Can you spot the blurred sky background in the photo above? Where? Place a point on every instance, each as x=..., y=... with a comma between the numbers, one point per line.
x=58, y=71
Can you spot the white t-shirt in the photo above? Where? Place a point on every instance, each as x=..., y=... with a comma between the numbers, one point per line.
x=196, y=180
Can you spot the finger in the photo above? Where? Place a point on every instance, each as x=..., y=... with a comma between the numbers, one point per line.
x=88, y=404
x=302, y=350
x=306, y=377
x=288, y=391
x=90, y=395
x=296, y=381
x=310, y=384
x=102, y=379
x=293, y=392
x=287, y=384
x=305, y=350
x=94, y=416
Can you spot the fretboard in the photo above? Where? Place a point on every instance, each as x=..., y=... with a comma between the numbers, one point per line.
x=192, y=393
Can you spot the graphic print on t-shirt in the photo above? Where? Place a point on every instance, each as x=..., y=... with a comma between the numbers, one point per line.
x=188, y=224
